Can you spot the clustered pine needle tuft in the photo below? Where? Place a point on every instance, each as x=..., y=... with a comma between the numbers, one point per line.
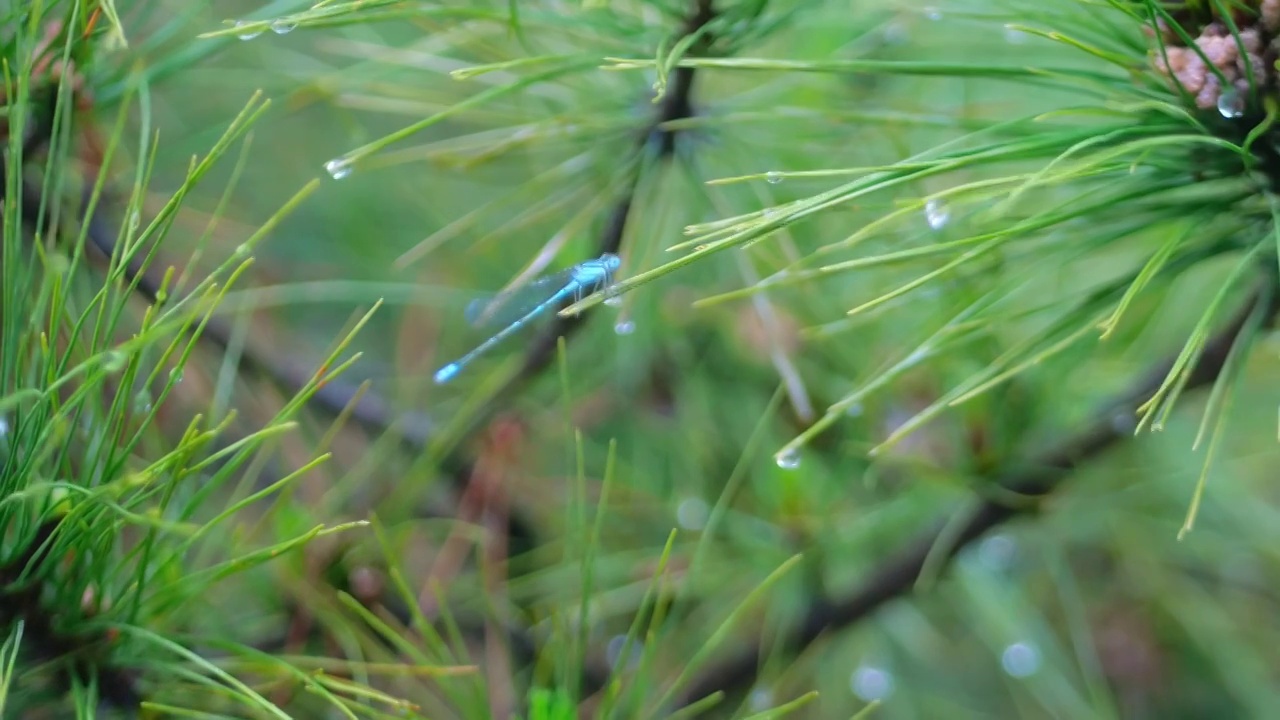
x=1157, y=149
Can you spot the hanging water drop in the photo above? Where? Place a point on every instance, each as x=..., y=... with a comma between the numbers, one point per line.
x=1014, y=36
x=338, y=168
x=1123, y=422
x=1021, y=659
x=1231, y=103
x=247, y=34
x=997, y=553
x=624, y=327
x=773, y=177
x=761, y=699
x=871, y=683
x=914, y=358
x=4, y=426
x=936, y=213
x=281, y=27
x=113, y=361
x=895, y=33
x=135, y=219
x=692, y=513
x=788, y=459
x=57, y=262
x=613, y=652
x=613, y=300
x=142, y=402
x=175, y=375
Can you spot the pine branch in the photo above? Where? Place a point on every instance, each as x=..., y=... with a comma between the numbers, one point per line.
x=676, y=105
x=374, y=413
x=1039, y=478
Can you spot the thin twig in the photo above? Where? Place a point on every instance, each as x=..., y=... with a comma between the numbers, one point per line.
x=1042, y=476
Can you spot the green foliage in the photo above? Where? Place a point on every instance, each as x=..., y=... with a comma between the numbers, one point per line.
x=111, y=545
x=876, y=258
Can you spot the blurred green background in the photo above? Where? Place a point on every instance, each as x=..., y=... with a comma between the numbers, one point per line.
x=1089, y=608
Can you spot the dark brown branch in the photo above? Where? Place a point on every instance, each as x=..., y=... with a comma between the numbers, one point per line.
x=374, y=413
x=1036, y=479
x=677, y=104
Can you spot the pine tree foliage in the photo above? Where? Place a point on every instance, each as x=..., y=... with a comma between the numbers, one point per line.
x=892, y=276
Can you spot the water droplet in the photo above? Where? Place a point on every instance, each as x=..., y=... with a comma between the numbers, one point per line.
x=1014, y=36
x=4, y=426
x=895, y=33
x=142, y=402
x=761, y=699
x=135, y=219
x=175, y=375
x=769, y=213
x=613, y=651
x=936, y=213
x=854, y=410
x=692, y=513
x=57, y=262
x=933, y=13
x=773, y=177
x=1241, y=570
x=247, y=34
x=624, y=327
x=242, y=250
x=281, y=26
x=1231, y=103
x=788, y=459
x=1123, y=422
x=871, y=683
x=613, y=300
x=997, y=552
x=1020, y=659
x=113, y=361
x=338, y=168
